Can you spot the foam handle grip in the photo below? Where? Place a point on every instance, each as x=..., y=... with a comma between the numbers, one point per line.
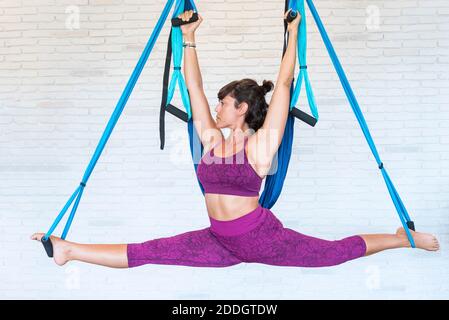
x=291, y=16
x=177, y=113
x=301, y=115
x=176, y=22
x=411, y=225
x=48, y=246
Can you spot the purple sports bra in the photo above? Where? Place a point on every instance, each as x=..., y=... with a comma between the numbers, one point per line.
x=232, y=175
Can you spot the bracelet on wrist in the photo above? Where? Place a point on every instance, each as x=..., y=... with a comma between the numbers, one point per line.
x=189, y=44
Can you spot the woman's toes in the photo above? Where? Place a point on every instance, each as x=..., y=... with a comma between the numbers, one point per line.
x=437, y=244
x=37, y=236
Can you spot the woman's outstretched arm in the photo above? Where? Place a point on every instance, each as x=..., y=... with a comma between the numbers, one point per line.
x=204, y=123
x=275, y=121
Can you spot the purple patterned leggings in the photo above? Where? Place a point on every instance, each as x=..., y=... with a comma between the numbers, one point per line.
x=257, y=237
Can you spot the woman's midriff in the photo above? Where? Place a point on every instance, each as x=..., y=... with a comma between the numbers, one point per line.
x=229, y=207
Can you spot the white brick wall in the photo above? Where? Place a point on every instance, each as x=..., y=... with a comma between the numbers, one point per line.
x=59, y=86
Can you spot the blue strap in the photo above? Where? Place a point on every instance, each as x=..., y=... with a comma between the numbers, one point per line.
x=196, y=150
x=61, y=214
x=190, y=5
x=293, y=5
x=298, y=5
x=112, y=122
x=402, y=212
x=274, y=181
x=177, y=50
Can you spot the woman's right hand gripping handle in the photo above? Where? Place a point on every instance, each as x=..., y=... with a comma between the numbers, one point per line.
x=190, y=28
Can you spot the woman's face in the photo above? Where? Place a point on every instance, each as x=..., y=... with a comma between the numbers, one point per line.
x=226, y=112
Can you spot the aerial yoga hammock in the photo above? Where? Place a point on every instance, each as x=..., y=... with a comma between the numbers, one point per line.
x=274, y=183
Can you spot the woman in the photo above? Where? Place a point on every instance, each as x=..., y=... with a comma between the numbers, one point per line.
x=241, y=230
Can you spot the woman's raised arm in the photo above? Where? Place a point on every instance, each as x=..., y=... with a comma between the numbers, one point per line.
x=279, y=107
x=203, y=121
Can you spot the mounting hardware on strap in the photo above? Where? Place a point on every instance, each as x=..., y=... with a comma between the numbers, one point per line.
x=302, y=67
x=82, y=184
x=177, y=68
x=381, y=166
x=291, y=16
x=176, y=22
x=411, y=225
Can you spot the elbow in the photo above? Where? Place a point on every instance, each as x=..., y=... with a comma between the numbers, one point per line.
x=288, y=82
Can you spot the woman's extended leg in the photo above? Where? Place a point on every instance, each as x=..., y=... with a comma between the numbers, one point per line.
x=291, y=248
x=195, y=248
x=272, y=244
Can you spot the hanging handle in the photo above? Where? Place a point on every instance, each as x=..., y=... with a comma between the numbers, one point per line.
x=48, y=246
x=177, y=113
x=291, y=16
x=301, y=115
x=176, y=22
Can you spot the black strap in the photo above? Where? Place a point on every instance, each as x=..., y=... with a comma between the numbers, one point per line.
x=285, y=30
x=165, y=91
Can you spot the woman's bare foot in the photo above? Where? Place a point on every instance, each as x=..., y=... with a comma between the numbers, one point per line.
x=61, y=248
x=422, y=240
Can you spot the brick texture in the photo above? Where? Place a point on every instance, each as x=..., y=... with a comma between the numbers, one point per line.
x=63, y=66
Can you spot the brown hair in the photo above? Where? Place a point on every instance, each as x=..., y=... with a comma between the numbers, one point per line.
x=247, y=90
